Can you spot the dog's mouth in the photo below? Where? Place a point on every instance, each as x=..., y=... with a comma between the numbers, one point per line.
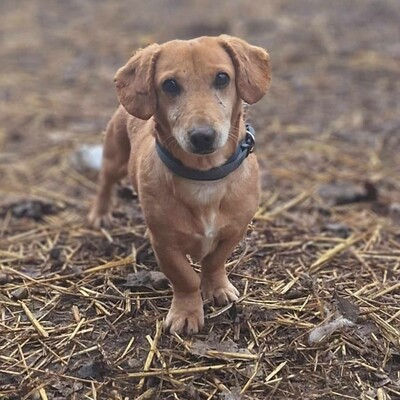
x=202, y=152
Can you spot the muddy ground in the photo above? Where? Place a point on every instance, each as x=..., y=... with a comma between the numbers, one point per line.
x=78, y=310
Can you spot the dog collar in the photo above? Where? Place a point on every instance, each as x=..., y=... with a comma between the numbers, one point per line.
x=245, y=147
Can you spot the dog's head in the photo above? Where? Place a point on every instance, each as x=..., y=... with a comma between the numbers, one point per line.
x=194, y=89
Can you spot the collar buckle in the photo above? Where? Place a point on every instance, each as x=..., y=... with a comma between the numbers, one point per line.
x=249, y=141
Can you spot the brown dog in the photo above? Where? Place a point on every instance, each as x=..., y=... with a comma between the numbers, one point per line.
x=187, y=96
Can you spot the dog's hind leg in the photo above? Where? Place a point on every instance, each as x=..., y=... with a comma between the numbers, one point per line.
x=114, y=167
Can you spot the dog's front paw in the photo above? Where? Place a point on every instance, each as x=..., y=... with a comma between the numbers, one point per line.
x=221, y=293
x=185, y=316
x=97, y=220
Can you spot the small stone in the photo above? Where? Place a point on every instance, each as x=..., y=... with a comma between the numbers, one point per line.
x=20, y=293
x=32, y=209
x=95, y=369
x=147, y=279
x=35, y=395
x=394, y=211
x=133, y=363
x=395, y=207
x=55, y=253
x=340, y=229
x=341, y=193
x=4, y=279
x=346, y=308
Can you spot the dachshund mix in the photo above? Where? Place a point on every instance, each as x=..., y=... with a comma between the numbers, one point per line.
x=182, y=110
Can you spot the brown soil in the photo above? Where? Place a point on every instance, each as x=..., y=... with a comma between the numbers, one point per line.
x=75, y=323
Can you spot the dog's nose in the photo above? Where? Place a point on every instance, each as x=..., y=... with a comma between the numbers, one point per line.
x=202, y=139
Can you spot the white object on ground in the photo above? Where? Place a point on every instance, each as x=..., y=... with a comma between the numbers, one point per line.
x=326, y=330
x=87, y=157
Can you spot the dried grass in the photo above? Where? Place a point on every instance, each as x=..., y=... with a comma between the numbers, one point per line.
x=70, y=327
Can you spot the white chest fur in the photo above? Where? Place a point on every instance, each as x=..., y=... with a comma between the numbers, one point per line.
x=210, y=231
x=206, y=197
x=210, y=227
x=204, y=193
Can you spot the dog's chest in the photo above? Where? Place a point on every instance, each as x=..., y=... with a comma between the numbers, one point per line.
x=203, y=194
x=205, y=198
x=206, y=234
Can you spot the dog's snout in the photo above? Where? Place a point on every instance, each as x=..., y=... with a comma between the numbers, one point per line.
x=202, y=139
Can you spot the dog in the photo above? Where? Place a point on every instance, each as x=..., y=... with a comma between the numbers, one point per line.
x=176, y=133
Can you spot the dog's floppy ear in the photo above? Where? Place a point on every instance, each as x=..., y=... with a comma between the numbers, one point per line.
x=253, y=74
x=135, y=83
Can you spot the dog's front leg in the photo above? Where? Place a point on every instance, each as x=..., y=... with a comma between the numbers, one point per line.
x=215, y=284
x=186, y=314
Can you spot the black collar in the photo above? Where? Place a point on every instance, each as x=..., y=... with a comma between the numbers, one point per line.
x=175, y=166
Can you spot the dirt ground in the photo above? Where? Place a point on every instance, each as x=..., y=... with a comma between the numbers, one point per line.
x=319, y=315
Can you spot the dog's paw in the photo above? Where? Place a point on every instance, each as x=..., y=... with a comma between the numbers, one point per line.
x=98, y=221
x=221, y=293
x=185, y=316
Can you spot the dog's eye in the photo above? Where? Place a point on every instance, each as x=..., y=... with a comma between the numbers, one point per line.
x=221, y=80
x=171, y=86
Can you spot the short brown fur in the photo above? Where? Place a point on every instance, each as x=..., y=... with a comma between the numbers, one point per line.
x=205, y=220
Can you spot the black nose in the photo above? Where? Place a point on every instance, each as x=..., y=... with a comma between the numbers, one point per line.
x=202, y=139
